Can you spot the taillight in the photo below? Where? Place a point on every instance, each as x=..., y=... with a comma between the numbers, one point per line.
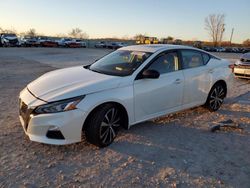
x=231, y=67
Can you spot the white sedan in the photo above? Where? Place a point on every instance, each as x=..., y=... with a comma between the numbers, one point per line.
x=242, y=67
x=127, y=86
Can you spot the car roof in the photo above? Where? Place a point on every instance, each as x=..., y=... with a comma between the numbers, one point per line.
x=155, y=47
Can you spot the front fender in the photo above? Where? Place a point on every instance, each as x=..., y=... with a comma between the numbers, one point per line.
x=123, y=96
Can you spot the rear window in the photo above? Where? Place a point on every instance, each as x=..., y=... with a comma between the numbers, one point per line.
x=191, y=59
x=206, y=58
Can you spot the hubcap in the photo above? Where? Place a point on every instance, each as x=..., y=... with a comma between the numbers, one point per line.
x=109, y=125
x=217, y=97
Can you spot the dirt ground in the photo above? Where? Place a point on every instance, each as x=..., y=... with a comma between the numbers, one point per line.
x=177, y=150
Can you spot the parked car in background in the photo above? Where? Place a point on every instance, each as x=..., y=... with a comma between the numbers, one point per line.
x=228, y=50
x=130, y=85
x=178, y=42
x=206, y=48
x=40, y=40
x=233, y=50
x=81, y=42
x=220, y=49
x=47, y=42
x=243, y=50
x=73, y=44
x=69, y=43
x=62, y=42
x=28, y=41
x=241, y=68
x=9, y=39
x=44, y=41
x=210, y=49
x=198, y=44
x=115, y=45
x=101, y=44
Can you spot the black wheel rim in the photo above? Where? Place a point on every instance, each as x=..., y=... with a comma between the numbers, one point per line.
x=216, y=97
x=109, y=126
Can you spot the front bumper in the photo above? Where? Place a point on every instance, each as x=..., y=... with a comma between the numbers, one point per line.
x=37, y=127
x=242, y=72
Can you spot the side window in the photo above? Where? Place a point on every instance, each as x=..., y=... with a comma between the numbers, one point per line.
x=191, y=59
x=206, y=58
x=165, y=63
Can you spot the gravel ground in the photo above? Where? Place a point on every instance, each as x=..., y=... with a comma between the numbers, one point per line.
x=177, y=150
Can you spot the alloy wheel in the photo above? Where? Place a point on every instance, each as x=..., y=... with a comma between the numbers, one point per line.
x=109, y=126
x=216, y=97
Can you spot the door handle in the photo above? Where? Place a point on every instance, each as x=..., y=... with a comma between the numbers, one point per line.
x=177, y=81
x=210, y=70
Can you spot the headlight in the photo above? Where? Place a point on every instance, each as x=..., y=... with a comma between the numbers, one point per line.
x=59, y=106
x=238, y=62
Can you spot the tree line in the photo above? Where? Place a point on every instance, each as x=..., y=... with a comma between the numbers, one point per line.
x=74, y=33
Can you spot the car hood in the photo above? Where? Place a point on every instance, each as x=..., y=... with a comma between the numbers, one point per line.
x=71, y=82
x=10, y=38
x=242, y=63
x=246, y=56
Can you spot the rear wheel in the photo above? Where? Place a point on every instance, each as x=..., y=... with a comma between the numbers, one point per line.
x=103, y=125
x=216, y=97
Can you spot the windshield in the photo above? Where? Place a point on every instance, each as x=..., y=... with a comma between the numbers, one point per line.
x=120, y=63
x=9, y=35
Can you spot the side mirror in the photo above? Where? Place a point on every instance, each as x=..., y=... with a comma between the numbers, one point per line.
x=153, y=74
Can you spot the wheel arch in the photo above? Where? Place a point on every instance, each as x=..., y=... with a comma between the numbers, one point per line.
x=121, y=107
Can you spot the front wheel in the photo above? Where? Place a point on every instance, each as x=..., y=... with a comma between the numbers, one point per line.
x=216, y=97
x=103, y=125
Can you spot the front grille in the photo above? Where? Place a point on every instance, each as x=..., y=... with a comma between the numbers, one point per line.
x=14, y=41
x=244, y=60
x=24, y=112
x=242, y=75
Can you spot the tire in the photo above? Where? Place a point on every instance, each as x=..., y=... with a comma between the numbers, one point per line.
x=103, y=125
x=216, y=97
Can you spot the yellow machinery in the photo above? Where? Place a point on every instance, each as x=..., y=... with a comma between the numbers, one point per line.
x=147, y=40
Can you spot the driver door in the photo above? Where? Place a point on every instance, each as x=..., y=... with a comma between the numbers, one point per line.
x=154, y=97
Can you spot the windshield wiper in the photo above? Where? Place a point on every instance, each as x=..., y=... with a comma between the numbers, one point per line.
x=96, y=71
x=86, y=66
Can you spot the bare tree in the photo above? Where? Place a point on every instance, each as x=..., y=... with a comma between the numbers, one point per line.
x=61, y=35
x=246, y=43
x=138, y=36
x=78, y=33
x=11, y=30
x=169, y=38
x=31, y=32
x=215, y=25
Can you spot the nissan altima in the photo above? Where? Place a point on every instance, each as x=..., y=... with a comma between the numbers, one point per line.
x=128, y=86
x=242, y=67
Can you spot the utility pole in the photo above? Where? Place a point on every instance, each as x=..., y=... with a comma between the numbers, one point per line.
x=231, y=36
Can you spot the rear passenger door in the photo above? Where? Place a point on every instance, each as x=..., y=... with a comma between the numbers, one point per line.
x=197, y=77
